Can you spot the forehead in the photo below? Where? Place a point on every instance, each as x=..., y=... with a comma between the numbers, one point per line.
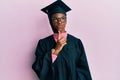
x=58, y=15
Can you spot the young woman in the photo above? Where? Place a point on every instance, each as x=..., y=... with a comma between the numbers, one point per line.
x=60, y=56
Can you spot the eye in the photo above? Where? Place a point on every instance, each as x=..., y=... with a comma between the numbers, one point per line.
x=63, y=18
x=54, y=19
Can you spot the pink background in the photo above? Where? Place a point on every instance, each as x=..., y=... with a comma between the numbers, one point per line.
x=95, y=22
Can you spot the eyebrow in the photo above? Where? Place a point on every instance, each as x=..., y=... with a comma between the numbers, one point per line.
x=58, y=17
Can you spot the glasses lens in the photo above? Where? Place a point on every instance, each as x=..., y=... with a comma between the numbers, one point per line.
x=59, y=19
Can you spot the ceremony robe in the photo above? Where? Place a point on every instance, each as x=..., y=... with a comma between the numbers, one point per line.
x=70, y=64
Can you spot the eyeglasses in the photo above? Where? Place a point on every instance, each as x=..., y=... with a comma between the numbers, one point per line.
x=62, y=19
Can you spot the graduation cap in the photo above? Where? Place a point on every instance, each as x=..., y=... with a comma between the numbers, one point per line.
x=56, y=7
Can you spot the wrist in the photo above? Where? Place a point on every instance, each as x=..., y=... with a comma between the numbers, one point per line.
x=55, y=51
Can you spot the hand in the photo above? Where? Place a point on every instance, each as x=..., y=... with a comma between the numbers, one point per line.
x=60, y=44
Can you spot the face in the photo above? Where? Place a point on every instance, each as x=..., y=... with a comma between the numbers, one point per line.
x=59, y=21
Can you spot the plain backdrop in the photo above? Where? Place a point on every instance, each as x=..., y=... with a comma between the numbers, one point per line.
x=95, y=22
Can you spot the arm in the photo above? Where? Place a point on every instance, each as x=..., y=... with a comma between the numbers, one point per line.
x=43, y=60
x=82, y=64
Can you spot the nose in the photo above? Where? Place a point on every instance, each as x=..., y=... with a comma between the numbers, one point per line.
x=59, y=21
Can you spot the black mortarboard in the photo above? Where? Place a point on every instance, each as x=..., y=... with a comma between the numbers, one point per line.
x=56, y=7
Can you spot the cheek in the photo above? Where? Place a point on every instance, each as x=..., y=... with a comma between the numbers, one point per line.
x=54, y=24
x=64, y=24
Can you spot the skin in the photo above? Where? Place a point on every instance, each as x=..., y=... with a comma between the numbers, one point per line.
x=61, y=41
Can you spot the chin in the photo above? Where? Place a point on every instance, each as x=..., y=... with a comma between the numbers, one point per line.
x=62, y=31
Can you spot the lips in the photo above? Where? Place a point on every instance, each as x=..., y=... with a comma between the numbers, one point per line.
x=60, y=26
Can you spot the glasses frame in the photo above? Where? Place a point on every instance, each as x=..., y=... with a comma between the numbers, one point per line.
x=62, y=19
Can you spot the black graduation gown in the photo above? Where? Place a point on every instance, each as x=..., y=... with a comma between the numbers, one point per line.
x=70, y=64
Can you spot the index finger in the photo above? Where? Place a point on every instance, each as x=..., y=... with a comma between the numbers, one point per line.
x=58, y=35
